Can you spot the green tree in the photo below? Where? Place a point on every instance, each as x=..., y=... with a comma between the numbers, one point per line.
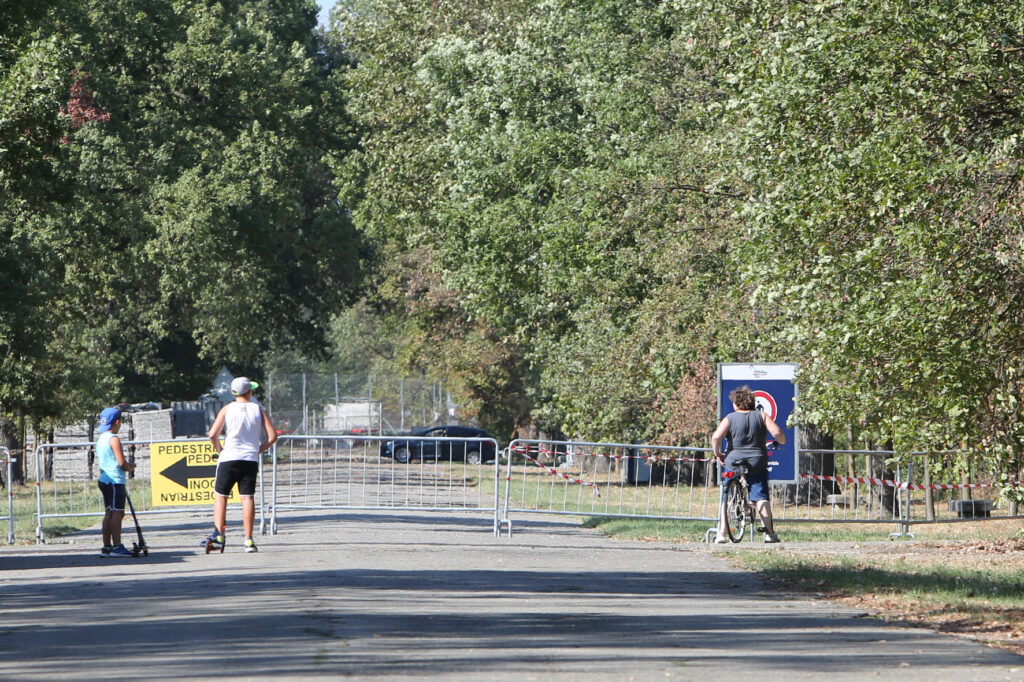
x=166, y=202
x=203, y=228
x=44, y=358
x=883, y=142
x=540, y=174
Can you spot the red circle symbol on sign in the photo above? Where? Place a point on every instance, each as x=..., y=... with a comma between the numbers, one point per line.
x=766, y=403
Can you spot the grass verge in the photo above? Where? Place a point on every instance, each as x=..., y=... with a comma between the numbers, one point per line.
x=966, y=579
x=693, y=531
x=975, y=589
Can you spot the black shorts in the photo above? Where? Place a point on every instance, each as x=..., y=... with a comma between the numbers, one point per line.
x=240, y=471
x=114, y=495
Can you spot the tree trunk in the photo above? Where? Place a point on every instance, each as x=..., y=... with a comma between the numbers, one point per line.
x=48, y=458
x=882, y=496
x=853, y=494
x=10, y=438
x=929, y=494
x=1014, y=502
x=814, y=492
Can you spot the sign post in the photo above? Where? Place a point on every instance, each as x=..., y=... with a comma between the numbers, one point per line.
x=775, y=394
x=183, y=473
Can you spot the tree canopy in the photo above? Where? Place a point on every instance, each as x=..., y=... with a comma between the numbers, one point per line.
x=170, y=201
x=619, y=194
x=569, y=210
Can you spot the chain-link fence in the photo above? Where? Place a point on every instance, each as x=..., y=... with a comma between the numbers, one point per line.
x=355, y=404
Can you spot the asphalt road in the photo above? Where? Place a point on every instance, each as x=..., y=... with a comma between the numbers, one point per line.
x=418, y=596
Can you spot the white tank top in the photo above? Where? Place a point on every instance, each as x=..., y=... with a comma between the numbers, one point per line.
x=243, y=426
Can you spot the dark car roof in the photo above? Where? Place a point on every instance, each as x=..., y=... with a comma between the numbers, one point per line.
x=465, y=431
x=452, y=430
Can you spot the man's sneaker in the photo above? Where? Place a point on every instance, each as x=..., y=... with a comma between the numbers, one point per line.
x=105, y=552
x=215, y=540
x=250, y=546
x=119, y=552
x=771, y=538
x=721, y=540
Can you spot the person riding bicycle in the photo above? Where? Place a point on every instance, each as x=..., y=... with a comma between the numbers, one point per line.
x=747, y=429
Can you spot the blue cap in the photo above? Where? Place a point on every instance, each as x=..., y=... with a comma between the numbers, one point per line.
x=108, y=416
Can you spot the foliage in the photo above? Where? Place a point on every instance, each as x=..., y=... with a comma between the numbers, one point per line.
x=622, y=194
x=194, y=222
x=884, y=149
x=530, y=178
x=570, y=211
x=44, y=357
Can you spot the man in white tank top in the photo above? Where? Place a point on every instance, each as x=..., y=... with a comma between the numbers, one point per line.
x=243, y=423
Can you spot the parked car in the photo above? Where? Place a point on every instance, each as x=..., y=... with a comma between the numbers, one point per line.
x=404, y=449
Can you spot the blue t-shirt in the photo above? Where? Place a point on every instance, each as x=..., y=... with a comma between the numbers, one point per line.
x=110, y=470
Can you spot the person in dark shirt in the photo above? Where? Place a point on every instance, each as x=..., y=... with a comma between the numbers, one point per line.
x=747, y=429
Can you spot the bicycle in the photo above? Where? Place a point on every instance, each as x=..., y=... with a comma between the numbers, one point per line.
x=738, y=509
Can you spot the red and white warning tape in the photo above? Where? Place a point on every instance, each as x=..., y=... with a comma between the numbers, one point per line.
x=957, y=486
x=853, y=479
x=908, y=486
x=555, y=472
x=651, y=458
x=525, y=450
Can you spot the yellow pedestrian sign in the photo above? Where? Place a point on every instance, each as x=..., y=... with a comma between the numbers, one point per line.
x=183, y=473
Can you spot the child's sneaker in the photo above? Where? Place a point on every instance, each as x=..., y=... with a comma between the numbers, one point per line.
x=250, y=546
x=214, y=540
x=105, y=551
x=771, y=538
x=119, y=552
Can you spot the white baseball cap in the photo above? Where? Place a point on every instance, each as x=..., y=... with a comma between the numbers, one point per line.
x=242, y=385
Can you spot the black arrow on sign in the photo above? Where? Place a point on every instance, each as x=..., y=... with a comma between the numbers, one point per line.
x=180, y=472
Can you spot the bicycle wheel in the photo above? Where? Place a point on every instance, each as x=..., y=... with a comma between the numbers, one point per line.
x=735, y=510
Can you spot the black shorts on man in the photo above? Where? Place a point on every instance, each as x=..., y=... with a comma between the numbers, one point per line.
x=240, y=471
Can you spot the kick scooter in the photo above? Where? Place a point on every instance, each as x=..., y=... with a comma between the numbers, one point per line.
x=138, y=548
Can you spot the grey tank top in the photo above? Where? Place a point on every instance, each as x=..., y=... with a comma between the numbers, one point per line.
x=747, y=434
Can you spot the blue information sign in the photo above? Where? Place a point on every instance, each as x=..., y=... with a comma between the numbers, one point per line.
x=775, y=394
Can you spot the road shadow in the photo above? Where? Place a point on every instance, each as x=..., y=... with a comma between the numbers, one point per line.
x=30, y=559
x=564, y=617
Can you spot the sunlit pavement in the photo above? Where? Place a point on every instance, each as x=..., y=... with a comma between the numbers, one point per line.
x=417, y=595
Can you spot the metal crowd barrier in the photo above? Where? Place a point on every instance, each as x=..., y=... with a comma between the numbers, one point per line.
x=609, y=479
x=955, y=486
x=908, y=489
x=659, y=482
x=570, y=478
x=9, y=461
x=822, y=494
x=360, y=473
x=72, y=473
